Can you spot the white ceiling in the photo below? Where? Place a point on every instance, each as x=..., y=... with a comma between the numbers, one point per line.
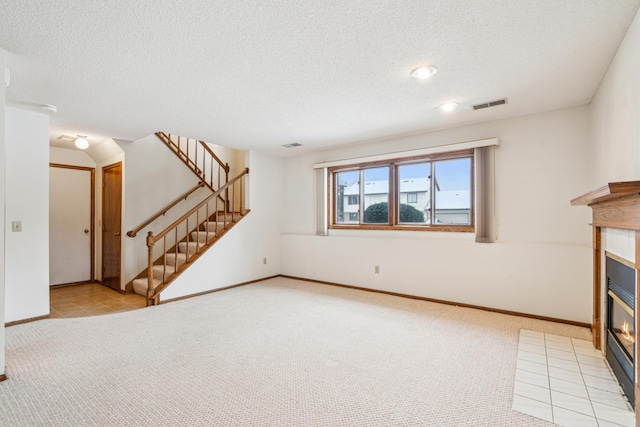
x=259, y=74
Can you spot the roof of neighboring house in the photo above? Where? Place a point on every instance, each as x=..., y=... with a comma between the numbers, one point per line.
x=414, y=185
x=453, y=199
x=382, y=187
x=449, y=199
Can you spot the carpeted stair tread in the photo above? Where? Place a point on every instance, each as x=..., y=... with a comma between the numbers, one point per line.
x=159, y=271
x=212, y=226
x=228, y=217
x=189, y=247
x=140, y=285
x=171, y=258
x=202, y=236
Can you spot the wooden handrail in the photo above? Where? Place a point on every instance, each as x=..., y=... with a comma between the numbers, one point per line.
x=164, y=210
x=217, y=159
x=192, y=161
x=152, y=239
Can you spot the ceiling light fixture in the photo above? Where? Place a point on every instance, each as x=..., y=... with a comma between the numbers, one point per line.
x=449, y=106
x=424, y=72
x=81, y=142
x=49, y=107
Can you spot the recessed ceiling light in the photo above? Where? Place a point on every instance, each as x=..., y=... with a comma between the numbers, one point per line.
x=449, y=106
x=81, y=142
x=424, y=72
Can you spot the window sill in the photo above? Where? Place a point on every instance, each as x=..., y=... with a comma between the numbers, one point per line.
x=438, y=228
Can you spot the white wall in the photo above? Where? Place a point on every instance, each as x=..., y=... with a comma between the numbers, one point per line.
x=238, y=256
x=154, y=177
x=235, y=158
x=2, y=210
x=68, y=156
x=615, y=116
x=615, y=136
x=105, y=150
x=541, y=261
x=27, y=200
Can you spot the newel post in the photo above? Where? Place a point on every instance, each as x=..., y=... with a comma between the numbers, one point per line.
x=150, y=242
x=226, y=192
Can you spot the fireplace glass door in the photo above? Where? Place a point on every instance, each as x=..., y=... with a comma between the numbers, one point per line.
x=621, y=334
x=622, y=324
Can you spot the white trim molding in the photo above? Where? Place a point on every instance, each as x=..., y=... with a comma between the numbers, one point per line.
x=410, y=153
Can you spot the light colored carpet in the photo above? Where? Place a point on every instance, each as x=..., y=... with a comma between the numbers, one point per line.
x=276, y=353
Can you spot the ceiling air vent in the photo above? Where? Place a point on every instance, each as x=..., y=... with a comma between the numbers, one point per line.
x=293, y=144
x=67, y=138
x=489, y=104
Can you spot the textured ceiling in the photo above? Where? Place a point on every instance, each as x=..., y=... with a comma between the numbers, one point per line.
x=259, y=74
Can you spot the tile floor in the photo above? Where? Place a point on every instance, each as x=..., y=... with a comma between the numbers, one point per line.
x=91, y=300
x=568, y=382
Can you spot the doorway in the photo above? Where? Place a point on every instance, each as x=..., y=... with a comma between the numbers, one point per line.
x=71, y=224
x=111, y=225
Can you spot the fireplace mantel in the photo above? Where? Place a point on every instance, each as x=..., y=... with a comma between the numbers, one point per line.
x=615, y=205
x=610, y=191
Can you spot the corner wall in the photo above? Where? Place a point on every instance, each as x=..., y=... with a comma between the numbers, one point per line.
x=27, y=200
x=238, y=256
x=152, y=177
x=540, y=263
x=3, y=163
x=615, y=116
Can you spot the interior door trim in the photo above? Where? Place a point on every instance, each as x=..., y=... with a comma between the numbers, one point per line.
x=115, y=165
x=92, y=231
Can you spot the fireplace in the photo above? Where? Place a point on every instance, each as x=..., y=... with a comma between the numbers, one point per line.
x=616, y=230
x=621, y=335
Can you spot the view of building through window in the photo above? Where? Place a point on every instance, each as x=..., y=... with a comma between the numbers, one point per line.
x=427, y=193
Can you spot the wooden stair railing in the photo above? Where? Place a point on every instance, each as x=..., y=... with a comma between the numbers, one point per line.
x=182, y=241
x=199, y=158
x=161, y=212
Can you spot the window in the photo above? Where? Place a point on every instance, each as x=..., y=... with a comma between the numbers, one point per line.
x=433, y=192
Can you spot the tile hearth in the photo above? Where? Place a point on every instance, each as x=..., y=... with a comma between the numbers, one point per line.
x=568, y=382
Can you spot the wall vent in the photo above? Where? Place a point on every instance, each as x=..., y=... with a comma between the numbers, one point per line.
x=293, y=144
x=489, y=104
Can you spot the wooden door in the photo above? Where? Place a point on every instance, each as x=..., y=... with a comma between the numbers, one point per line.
x=71, y=234
x=111, y=224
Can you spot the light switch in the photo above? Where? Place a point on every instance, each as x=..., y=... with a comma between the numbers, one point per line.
x=16, y=226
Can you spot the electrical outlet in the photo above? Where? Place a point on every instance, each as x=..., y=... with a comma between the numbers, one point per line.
x=16, y=226
x=264, y=261
x=377, y=269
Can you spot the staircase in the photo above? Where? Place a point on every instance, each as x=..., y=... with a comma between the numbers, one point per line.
x=199, y=158
x=174, y=249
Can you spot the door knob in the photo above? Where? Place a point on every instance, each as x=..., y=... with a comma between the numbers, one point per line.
x=86, y=231
x=116, y=234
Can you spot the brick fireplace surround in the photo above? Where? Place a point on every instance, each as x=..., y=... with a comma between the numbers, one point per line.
x=616, y=206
